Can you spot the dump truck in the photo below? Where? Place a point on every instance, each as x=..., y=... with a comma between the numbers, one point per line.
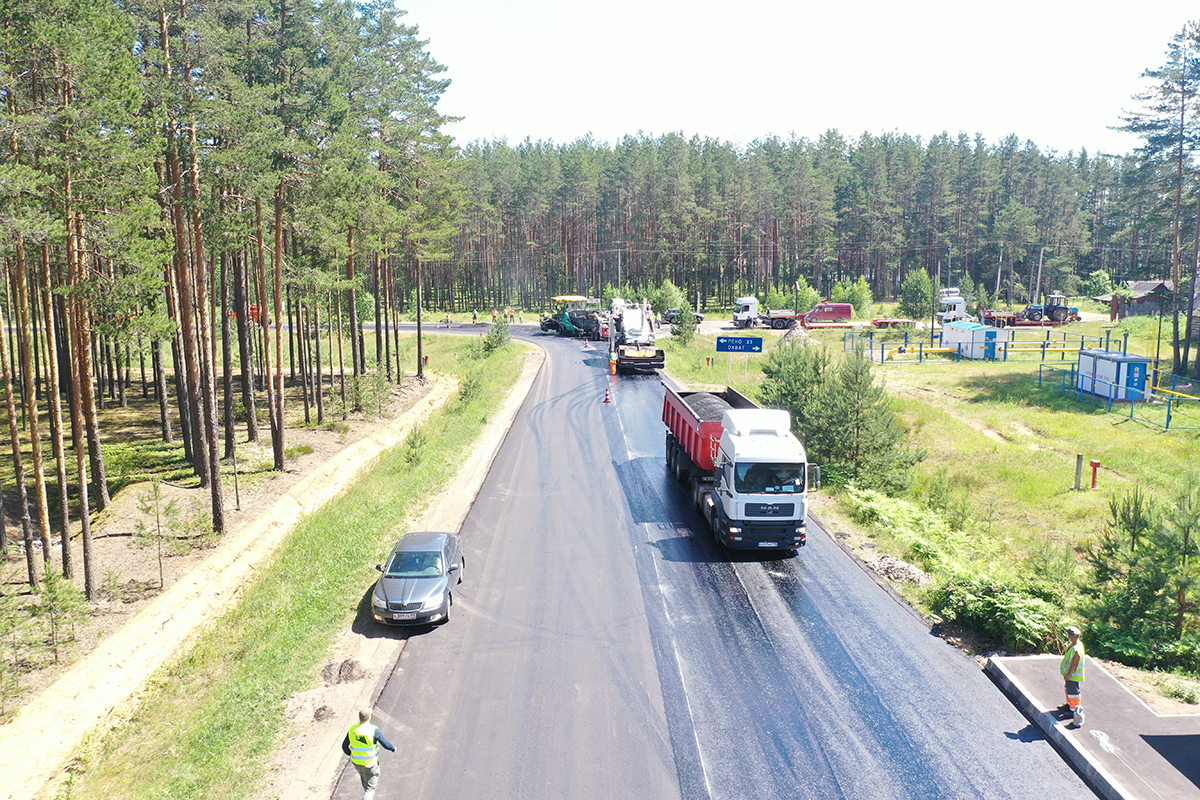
x=747, y=473
x=631, y=337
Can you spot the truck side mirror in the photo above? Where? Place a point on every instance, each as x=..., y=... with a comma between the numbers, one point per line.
x=814, y=476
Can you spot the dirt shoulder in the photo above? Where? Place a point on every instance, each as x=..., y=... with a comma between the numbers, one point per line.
x=144, y=634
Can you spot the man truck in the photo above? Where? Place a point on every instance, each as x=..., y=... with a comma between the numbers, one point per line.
x=747, y=472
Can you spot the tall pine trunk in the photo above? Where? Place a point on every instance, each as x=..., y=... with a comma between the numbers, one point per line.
x=208, y=389
x=227, y=358
x=18, y=462
x=54, y=395
x=277, y=443
x=241, y=301
x=25, y=337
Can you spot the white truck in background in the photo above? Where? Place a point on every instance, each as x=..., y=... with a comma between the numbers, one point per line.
x=952, y=307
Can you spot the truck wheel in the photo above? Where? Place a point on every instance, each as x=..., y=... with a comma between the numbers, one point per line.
x=681, y=467
x=778, y=324
x=840, y=320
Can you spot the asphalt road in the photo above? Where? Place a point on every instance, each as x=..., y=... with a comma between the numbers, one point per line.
x=602, y=646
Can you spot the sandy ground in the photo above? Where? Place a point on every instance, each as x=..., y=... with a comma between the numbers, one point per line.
x=105, y=684
x=127, y=575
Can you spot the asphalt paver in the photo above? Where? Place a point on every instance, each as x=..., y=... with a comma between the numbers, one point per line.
x=1124, y=749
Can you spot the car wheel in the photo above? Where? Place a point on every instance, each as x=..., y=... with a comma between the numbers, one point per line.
x=840, y=320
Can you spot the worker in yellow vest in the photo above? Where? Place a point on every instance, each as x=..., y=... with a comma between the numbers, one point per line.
x=361, y=744
x=1072, y=672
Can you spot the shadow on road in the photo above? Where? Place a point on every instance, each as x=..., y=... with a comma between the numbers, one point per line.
x=1028, y=734
x=693, y=550
x=365, y=625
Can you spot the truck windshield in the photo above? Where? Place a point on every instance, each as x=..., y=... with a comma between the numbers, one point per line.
x=759, y=478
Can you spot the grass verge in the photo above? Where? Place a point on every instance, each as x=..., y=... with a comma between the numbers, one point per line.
x=213, y=717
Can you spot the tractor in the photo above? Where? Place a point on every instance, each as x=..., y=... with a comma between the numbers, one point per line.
x=1054, y=309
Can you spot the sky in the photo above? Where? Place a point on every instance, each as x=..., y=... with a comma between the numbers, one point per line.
x=1058, y=73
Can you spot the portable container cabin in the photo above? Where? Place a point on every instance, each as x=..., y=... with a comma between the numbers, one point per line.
x=978, y=341
x=1115, y=375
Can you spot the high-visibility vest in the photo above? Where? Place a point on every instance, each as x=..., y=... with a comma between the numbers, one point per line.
x=362, y=745
x=1077, y=675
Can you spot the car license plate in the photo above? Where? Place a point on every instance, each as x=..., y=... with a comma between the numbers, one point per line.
x=766, y=544
x=405, y=615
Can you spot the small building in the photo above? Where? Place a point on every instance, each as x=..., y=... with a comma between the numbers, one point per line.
x=1145, y=298
x=1112, y=374
x=977, y=340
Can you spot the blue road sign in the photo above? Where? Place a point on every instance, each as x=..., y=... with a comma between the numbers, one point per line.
x=739, y=344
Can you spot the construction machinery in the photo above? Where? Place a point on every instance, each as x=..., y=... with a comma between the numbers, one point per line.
x=631, y=337
x=574, y=315
x=1054, y=309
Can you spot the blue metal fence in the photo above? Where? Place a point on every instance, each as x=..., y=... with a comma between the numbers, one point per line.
x=1063, y=344
x=1166, y=411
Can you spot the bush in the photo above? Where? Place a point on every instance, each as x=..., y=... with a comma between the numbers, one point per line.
x=684, y=326
x=497, y=337
x=926, y=537
x=857, y=294
x=1005, y=612
x=918, y=295
x=1099, y=282
x=777, y=299
x=664, y=298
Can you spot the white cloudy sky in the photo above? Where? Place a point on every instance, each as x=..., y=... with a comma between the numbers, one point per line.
x=1057, y=72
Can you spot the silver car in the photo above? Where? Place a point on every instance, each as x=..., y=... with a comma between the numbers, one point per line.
x=418, y=580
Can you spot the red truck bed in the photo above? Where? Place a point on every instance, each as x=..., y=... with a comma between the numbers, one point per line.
x=699, y=436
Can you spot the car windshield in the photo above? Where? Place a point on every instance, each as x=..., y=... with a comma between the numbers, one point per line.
x=758, y=478
x=419, y=564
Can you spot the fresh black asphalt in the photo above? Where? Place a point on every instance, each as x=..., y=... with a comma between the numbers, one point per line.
x=603, y=646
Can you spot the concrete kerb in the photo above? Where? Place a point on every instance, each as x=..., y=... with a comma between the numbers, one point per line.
x=87, y=696
x=1096, y=776
x=317, y=773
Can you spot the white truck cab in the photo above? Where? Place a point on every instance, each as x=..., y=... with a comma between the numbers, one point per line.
x=952, y=307
x=746, y=313
x=761, y=477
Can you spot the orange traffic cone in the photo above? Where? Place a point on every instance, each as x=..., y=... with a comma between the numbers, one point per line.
x=607, y=395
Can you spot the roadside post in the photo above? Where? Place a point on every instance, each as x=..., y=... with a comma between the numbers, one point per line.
x=739, y=344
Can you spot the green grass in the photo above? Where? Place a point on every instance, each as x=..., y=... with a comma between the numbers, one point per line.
x=217, y=712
